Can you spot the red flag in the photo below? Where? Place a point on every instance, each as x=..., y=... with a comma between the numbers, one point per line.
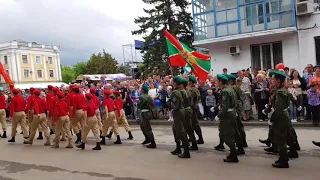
x=6, y=76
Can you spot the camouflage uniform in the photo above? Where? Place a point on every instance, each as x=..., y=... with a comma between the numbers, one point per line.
x=195, y=96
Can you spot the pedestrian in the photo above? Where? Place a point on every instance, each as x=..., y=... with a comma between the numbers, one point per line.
x=194, y=106
x=145, y=104
x=39, y=118
x=18, y=115
x=178, y=129
x=210, y=102
x=110, y=118
x=90, y=123
x=313, y=95
x=61, y=120
x=3, y=120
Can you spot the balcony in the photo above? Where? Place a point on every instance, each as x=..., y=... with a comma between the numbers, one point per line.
x=213, y=19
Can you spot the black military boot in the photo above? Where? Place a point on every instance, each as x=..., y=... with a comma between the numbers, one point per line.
x=241, y=150
x=13, y=139
x=21, y=132
x=40, y=136
x=177, y=151
x=103, y=141
x=280, y=164
x=293, y=154
x=220, y=146
x=4, y=135
x=194, y=146
x=78, y=138
x=109, y=135
x=118, y=140
x=266, y=142
x=200, y=140
x=152, y=145
x=244, y=143
x=186, y=153
x=98, y=147
x=146, y=140
x=232, y=158
x=100, y=134
x=130, y=135
x=81, y=146
x=51, y=132
x=272, y=150
x=316, y=143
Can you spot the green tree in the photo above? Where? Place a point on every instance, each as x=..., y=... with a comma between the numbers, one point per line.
x=125, y=69
x=102, y=63
x=79, y=68
x=171, y=15
x=67, y=73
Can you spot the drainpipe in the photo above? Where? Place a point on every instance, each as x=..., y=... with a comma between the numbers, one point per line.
x=15, y=57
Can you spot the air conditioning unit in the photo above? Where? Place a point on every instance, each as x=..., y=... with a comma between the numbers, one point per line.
x=234, y=50
x=304, y=7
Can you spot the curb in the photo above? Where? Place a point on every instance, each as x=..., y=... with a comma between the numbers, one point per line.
x=210, y=123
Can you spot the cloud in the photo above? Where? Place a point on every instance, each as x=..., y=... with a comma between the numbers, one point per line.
x=80, y=27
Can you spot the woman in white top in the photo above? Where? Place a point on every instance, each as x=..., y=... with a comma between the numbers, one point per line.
x=299, y=85
x=153, y=92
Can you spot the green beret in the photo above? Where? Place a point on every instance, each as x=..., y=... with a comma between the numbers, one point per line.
x=193, y=79
x=184, y=81
x=280, y=75
x=271, y=73
x=177, y=79
x=228, y=76
x=145, y=88
x=233, y=77
x=223, y=78
x=1, y=88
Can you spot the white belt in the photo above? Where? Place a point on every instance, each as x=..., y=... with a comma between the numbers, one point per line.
x=230, y=110
x=145, y=110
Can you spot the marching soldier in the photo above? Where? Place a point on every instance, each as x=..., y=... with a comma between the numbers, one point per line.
x=176, y=104
x=121, y=116
x=30, y=111
x=188, y=113
x=96, y=101
x=3, y=120
x=145, y=105
x=61, y=120
x=39, y=118
x=77, y=116
x=110, y=118
x=48, y=101
x=194, y=106
x=70, y=104
x=280, y=120
x=53, y=102
x=227, y=117
x=18, y=115
x=90, y=123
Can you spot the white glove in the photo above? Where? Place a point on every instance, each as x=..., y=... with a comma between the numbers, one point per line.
x=266, y=106
x=212, y=109
x=272, y=110
x=219, y=107
x=263, y=112
x=270, y=123
x=295, y=97
x=299, y=108
x=216, y=118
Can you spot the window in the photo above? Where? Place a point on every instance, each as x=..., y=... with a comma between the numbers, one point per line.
x=5, y=59
x=50, y=60
x=39, y=72
x=38, y=60
x=51, y=74
x=26, y=73
x=24, y=59
x=266, y=56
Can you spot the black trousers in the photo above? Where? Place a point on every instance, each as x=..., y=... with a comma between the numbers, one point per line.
x=315, y=113
x=261, y=106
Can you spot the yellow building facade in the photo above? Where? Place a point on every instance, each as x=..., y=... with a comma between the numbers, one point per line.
x=30, y=62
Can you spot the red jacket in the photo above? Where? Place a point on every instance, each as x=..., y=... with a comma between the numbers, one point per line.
x=96, y=101
x=30, y=103
x=53, y=103
x=109, y=103
x=17, y=104
x=61, y=109
x=48, y=98
x=119, y=105
x=78, y=103
x=69, y=99
x=90, y=108
x=2, y=102
x=39, y=105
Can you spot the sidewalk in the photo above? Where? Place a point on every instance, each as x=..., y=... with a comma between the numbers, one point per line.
x=306, y=123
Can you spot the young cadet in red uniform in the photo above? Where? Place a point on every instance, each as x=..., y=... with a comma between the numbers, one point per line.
x=53, y=102
x=30, y=111
x=3, y=120
x=90, y=123
x=70, y=104
x=18, y=115
x=77, y=112
x=110, y=118
x=121, y=116
x=48, y=101
x=62, y=121
x=96, y=101
x=39, y=118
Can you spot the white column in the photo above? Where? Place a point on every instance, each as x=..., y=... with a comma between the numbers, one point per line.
x=58, y=68
x=32, y=67
x=13, y=67
x=45, y=70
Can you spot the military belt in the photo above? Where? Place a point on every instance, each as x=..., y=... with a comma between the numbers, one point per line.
x=188, y=107
x=145, y=110
x=230, y=110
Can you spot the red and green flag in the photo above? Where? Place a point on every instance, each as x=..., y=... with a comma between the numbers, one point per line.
x=181, y=55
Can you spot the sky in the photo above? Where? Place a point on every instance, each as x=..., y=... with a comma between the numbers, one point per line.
x=79, y=27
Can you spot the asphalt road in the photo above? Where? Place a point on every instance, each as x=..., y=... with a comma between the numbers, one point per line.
x=132, y=161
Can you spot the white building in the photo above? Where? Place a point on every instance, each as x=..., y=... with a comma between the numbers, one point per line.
x=258, y=33
x=30, y=62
